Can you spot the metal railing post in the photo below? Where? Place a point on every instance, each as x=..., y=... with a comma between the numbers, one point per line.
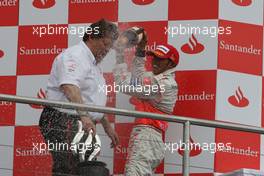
x=186, y=156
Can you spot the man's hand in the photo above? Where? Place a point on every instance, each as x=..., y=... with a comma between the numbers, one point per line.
x=110, y=132
x=73, y=94
x=112, y=135
x=88, y=124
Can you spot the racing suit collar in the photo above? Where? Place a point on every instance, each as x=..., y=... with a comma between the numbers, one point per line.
x=170, y=71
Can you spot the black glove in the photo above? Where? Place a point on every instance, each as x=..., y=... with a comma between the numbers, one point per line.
x=141, y=46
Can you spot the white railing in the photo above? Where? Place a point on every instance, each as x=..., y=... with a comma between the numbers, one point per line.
x=187, y=122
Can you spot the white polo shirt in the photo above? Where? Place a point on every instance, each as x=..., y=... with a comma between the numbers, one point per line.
x=77, y=65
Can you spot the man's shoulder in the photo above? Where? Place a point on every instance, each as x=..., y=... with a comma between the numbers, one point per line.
x=167, y=80
x=75, y=52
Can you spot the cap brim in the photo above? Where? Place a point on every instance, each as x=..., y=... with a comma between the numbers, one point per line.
x=155, y=53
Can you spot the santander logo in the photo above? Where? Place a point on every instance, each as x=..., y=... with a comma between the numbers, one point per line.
x=194, y=150
x=142, y=2
x=41, y=95
x=43, y=4
x=1, y=53
x=242, y=2
x=193, y=46
x=238, y=99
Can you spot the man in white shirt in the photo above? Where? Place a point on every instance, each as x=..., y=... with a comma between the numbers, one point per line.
x=76, y=77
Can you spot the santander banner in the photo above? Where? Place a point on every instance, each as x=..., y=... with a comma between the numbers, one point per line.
x=43, y=4
x=193, y=46
x=238, y=99
x=220, y=76
x=142, y=2
x=1, y=53
x=242, y=2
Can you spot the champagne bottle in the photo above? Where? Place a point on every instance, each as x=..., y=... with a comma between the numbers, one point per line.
x=133, y=35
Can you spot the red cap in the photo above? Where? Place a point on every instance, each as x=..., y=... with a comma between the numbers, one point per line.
x=166, y=51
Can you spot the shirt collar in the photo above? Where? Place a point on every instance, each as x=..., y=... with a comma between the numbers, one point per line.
x=88, y=52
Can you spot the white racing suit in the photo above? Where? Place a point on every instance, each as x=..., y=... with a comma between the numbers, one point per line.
x=156, y=94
